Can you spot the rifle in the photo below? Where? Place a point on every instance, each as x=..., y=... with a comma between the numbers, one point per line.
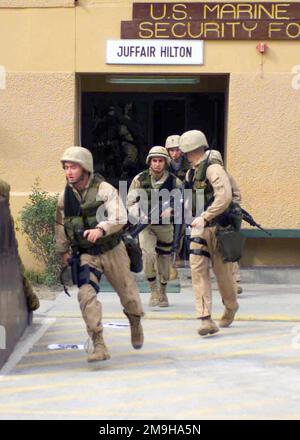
x=178, y=234
x=178, y=228
x=74, y=264
x=250, y=220
x=143, y=223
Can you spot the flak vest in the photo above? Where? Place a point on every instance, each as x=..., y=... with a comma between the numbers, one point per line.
x=181, y=173
x=145, y=182
x=81, y=215
x=198, y=181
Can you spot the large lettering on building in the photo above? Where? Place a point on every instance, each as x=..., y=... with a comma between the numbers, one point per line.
x=214, y=21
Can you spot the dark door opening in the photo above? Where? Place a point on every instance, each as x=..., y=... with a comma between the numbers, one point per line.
x=168, y=118
x=120, y=128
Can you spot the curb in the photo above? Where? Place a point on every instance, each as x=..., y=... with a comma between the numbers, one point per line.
x=188, y=317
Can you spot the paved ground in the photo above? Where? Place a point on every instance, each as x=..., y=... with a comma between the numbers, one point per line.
x=250, y=370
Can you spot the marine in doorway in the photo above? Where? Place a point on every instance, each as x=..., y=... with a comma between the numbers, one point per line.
x=157, y=238
x=129, y=134
x=98, y=244
x=116, y=141
x=179, y=165
x=212, y=179
x=106, y=142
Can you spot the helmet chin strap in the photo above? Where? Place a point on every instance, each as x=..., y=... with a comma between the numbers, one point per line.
x=81, y=178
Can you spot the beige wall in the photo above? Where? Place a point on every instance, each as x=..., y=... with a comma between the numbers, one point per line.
x=34, y=40
x=37, y=123
x=36, y=3
x=37, y=112
x=37, y=107
x=263, y=146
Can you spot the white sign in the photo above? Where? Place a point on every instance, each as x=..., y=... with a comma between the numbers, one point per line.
x=154, y=52
x=116, y=324
x=66, y=347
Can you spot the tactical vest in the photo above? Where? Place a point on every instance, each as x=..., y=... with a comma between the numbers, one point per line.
x=146, y=184
x=81, y=215
x=232, y=215
x=185, y=166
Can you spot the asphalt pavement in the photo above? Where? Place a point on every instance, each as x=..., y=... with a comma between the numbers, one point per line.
x=248, y=371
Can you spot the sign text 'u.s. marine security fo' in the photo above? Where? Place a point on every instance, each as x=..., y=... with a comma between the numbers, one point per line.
x=214, y=21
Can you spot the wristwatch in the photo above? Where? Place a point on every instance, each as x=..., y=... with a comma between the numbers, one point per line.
x=101, y=229
x=205, y=222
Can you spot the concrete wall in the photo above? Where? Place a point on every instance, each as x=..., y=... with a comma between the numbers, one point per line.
x=37, y=40
x=37, y=123
x=263, y=146
x=38, y=104
x=14, y=316
x=36, y=3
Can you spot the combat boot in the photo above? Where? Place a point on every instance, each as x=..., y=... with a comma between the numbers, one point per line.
x=163, y=299
x=228, y=317
x=173, y=273
x=100, y=352
x=137, y=335
x=154, y=295
x=208, y=327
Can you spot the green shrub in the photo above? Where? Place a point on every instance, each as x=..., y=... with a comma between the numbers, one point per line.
x=37, y=222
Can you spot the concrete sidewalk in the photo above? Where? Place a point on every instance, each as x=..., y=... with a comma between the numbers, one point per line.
x=250, y=370
x=258, y=302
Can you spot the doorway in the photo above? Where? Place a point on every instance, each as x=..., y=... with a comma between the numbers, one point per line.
x=119, y=127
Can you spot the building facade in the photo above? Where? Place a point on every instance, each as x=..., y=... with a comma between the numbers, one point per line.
x=87, y=72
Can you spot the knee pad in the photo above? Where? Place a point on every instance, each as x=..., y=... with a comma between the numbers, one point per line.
x=163, y=248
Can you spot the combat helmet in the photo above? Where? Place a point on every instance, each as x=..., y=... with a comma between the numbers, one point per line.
x=172, y=141
x=79, y=155
x=158, y=152
x=191, y=140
